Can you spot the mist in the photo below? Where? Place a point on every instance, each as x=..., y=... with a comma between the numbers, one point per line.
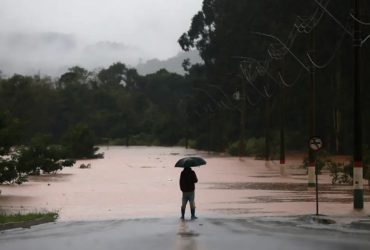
x=49, y=36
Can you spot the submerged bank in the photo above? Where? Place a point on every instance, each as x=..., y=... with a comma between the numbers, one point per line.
x=10, y=221
x=141, y=182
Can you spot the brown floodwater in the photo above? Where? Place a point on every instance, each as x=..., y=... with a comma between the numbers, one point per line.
x=136, y=182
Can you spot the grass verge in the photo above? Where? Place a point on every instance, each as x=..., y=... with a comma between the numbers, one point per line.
x=8, y=221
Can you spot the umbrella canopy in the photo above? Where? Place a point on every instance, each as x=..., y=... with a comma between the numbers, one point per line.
x=190, y=162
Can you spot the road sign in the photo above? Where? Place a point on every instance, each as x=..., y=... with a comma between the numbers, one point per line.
x=315, y=143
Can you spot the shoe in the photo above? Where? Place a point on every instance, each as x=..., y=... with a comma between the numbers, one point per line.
x=193, y=217
x=182, y=214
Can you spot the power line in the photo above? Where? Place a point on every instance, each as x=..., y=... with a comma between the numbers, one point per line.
x=286, y=47
x=252, y=69
x=358, y=20
x=333, y=17
x=322, y=66
x=285, y=82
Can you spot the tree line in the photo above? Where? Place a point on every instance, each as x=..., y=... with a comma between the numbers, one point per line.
x=63, y=118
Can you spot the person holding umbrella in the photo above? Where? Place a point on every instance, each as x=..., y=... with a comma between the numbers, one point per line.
x=188, y=178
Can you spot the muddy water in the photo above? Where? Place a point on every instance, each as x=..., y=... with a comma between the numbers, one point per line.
x=133, y=182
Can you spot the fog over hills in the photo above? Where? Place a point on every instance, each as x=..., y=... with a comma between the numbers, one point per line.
x=173, y=64
x=52, y=53
x=47, y=37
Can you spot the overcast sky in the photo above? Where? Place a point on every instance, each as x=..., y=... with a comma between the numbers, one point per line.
x=52, y=35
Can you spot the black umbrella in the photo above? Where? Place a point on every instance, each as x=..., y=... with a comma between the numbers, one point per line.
x=190, y=162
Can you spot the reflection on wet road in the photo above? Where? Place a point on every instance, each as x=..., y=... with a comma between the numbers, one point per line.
x=186, y=237
x=173, y=234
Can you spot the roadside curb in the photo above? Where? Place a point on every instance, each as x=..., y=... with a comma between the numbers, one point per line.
x=321, y=220
x=361, y=224
x=25, y=224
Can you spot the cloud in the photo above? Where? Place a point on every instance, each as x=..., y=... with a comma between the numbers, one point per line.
x=39, y=41
x=28, y=53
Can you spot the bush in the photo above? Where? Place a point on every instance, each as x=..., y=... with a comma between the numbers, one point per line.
x=79, y=143
x=191, y=143
x=117, y=142
x=340, y=172
x=41, y=156
x=143, y=139
x=253, y=147
x=347, y=170
x=233, y=149
x=9, y=173
x=321, y=160
x=36, y=158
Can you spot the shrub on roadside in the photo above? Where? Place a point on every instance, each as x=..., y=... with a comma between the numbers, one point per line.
x=233, y=148
x=9, y=173
x=321, y=161
x=40, y=155
x=340, y=173
x=79, y=143
x=343, y=173
x=33, y=159
x=253, y=147
x=143, y=139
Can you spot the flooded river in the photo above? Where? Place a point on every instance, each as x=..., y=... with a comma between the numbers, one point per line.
x=137, y=182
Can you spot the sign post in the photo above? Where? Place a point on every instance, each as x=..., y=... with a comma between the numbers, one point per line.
x=315, y=144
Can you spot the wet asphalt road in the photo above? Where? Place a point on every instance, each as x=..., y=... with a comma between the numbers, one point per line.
x=171, y=233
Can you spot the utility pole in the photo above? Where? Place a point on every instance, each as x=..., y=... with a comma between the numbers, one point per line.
x=311, y=153
x=282, y=128
x=242, y=119
x=267, y=131
x=358, y=188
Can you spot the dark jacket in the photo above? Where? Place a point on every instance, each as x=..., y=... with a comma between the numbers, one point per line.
x=187, y=180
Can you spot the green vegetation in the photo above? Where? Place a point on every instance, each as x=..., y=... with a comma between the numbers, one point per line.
x=79, y=141
x=340, y=172
x=322, y=161
x=253, y=147
x=17, y=218
x=343, y=172
x=39, y=156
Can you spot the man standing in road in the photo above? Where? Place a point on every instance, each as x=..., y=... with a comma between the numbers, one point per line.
x=188, y=179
